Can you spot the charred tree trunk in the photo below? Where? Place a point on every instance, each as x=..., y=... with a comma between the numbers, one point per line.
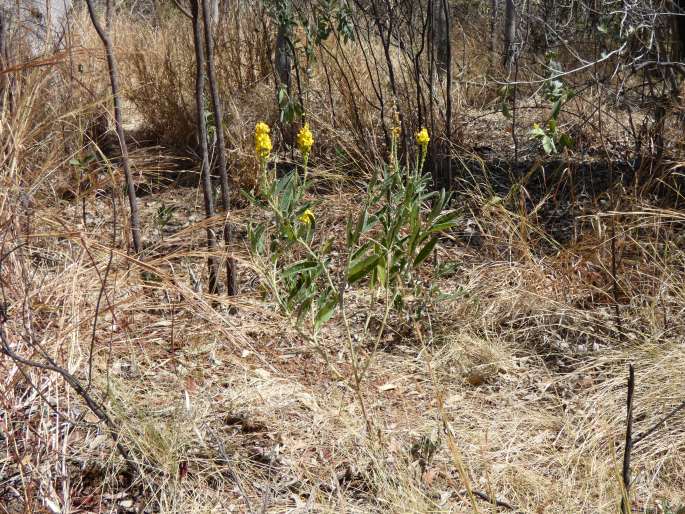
x=448, y=89
x=282, y=57
x=509, y=32
x=118, y=123
x=231, y=285
x=494, y=6
x=212, y=264
x=441, y=36
x=680, y=27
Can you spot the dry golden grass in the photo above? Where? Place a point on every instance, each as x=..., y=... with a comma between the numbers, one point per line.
x=517, y=391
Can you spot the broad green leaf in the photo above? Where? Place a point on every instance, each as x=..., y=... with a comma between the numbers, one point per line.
x=537, y=131
x=361, y=267
x=444, y=221
x=299, y=267
x=303, y=309
x=565, y=141
x=548, y=145
x=326, y=312
x=425, y=251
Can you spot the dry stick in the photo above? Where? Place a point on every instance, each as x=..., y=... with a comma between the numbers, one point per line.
x=183, y=10
x=212, y=264
x=92, y=404
x=614, y=205
x=659, y=424
x=103, y=285
x=118, y=123
x=231, y=279
x=625, y=496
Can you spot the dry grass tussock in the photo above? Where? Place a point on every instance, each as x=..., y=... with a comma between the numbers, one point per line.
x=514, y=389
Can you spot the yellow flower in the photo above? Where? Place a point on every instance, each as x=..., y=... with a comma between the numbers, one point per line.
x=305, y=140
x=395, y=132
x=422, y=138
x=262, y=141
x=307, y=217
x=262, y=128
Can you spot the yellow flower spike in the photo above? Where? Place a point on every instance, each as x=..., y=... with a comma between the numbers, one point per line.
x=422, y=138
x=307, y=217
x=262, y=128
x=262, y=141
x=305, y=140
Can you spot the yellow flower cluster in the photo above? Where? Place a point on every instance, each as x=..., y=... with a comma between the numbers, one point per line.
x=262, y=140
x=305, y=139
x=307, y=217
x=422, y=138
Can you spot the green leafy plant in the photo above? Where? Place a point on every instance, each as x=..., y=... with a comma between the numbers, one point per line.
x=386, y=244
x=163, y=216
x=555, y=91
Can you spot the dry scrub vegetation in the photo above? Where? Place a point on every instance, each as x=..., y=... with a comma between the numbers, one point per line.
x=507, y=396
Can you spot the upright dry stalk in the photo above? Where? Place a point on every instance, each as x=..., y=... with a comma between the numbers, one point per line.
x=625, y=500
x=118, y=123
x=212, y=264
x=231, y=285
x=3, y=53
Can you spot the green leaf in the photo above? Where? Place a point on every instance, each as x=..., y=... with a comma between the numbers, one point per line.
x=257, y=238
x=556, y=109
x=380, y=271
x=359, y=251
x=361, y=267
x=326, y=312
x=537, y=132
x=548, y=145
x=299, y=267
x=565, y=141
x=425, y=251
x=75, y=162
x=505, y=110
x=444, y=222
x=359, y=228
x=303, y=309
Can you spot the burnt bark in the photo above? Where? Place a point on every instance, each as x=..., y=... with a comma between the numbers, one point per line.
x=118, y=124
x=212, y=264
x=441, y=34
x=231, y=284
x=509, y=32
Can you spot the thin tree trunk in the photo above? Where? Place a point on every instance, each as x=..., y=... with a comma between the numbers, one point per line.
x=118, y=123
x=212, y=264
x=231, y=284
